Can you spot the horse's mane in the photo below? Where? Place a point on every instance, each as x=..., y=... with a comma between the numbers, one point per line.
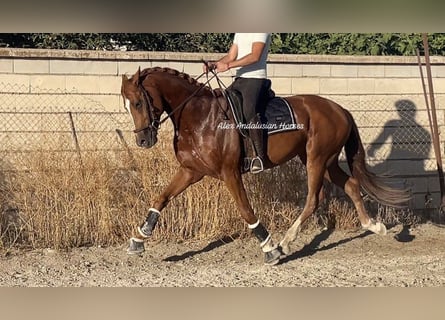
x=192, y=81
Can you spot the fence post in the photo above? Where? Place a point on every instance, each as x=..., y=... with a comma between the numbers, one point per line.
x=432, y=117
x=74, y=135
x=130, y=155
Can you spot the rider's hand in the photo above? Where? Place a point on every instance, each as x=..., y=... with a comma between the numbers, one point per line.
x=208, y=66
x=222, y=66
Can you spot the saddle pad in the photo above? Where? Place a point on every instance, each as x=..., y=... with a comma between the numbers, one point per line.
x=278, y=114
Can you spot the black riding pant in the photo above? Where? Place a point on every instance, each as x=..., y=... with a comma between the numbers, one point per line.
x=254, y=92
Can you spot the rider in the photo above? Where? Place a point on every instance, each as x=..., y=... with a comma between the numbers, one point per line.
x=248, y=53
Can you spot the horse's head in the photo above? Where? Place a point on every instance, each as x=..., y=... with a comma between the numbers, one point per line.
x=141, y=105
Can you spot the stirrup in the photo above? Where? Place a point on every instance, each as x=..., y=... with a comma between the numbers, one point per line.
x=256, y=165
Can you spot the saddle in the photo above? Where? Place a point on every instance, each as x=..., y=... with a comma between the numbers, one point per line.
x=278, y=113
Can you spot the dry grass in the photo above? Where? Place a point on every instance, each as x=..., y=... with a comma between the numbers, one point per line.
x=61, y=202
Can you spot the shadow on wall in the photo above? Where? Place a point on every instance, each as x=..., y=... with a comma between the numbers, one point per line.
x=410, y=147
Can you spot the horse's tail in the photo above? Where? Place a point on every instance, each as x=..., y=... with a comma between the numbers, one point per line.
x=374, y=185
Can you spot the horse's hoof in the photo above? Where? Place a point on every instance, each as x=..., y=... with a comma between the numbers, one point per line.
x=284, y=248
x=378, y=228
x=381, y=228
x=272, y=257
x=136, y=246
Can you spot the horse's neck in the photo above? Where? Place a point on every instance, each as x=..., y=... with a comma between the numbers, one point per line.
x=197, y=110
x=186, y=98
x=177, y=91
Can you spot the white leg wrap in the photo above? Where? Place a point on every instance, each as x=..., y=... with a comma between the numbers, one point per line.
x=154, y=210
x=136, y=240
x=267, y=245
x=152, y=222
x=140, y=233
x=253, y=226
x=262, y=244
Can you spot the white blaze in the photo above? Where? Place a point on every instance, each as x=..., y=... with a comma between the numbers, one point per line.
x=127, y=105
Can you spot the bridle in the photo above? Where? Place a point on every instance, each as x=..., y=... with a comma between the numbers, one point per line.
x=156, y=123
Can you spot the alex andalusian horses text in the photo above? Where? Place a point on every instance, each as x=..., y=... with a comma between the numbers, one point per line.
x=202, y=148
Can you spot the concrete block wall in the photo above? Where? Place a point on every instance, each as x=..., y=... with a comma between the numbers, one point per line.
x=370, y=87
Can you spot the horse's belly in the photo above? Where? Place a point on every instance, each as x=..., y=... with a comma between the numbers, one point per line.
x=282, y=147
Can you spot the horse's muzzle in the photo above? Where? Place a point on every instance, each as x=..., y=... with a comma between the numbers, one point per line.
x=146, y=138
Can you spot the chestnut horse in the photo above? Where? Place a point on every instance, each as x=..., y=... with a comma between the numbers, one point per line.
x=202, y=148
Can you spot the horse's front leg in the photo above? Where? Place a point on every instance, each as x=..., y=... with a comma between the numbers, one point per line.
x=235, y=185
x=182, y=179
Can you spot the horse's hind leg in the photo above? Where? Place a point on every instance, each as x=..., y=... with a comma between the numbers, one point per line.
x=315, y=172
x=235, y=185
x=351, y=186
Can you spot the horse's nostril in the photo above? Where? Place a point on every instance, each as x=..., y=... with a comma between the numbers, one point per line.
x=140, y=141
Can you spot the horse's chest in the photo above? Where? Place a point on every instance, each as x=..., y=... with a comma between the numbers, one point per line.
x=194, y=151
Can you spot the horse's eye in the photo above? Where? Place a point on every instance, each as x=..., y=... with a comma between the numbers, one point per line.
x=138, y=104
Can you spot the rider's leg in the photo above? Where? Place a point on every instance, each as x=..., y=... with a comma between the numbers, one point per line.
x=254, y=92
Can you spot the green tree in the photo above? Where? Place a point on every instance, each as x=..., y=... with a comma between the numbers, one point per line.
x=286, y=43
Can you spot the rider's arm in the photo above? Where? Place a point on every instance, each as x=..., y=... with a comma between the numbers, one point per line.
x=254, y=56
x=229, y=61
x=229, y=57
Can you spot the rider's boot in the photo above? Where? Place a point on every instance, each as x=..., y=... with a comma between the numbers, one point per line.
x=258, y=136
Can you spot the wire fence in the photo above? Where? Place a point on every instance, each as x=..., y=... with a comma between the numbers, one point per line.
x=55, y=121
x=398, y=143
x=395, y=131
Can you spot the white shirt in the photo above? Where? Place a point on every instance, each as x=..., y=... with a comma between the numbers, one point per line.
x=244, y=42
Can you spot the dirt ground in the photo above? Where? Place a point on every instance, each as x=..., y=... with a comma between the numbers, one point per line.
x=404, y=257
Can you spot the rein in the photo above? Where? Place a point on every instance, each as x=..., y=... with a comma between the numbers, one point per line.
x=189, y=98
x=156, y=123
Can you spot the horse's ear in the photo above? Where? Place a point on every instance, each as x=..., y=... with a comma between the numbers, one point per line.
x=135, y=78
